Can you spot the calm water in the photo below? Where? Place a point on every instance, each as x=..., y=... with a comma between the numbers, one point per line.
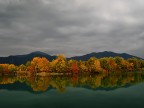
x=98, y=91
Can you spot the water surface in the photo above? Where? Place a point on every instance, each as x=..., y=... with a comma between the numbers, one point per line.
x=101, y=91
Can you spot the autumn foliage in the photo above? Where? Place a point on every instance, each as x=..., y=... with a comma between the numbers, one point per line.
x=61, y=65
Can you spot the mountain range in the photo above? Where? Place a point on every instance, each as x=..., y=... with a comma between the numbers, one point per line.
x=22, y=59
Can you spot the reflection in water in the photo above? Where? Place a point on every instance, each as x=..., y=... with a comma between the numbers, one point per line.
x=100, y=81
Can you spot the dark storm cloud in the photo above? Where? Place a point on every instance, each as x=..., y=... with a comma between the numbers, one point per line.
x=72, y=27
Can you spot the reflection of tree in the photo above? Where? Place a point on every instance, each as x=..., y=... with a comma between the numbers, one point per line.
x=74, y=80
x=7, y=80
x=60, y=83
x=39, y=83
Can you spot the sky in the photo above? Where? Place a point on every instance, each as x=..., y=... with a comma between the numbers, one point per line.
x=71, y=27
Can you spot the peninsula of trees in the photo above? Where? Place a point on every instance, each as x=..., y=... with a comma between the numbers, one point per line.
x=62, y=66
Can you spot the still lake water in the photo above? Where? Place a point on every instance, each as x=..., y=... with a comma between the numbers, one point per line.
x=97, y=91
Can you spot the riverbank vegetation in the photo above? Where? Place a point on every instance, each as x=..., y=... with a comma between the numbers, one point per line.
x=42, y=66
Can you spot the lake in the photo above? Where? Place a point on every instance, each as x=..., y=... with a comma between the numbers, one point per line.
x=115, y=90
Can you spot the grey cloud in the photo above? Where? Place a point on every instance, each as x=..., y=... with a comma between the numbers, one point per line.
x=9, y=12
x=72, y=27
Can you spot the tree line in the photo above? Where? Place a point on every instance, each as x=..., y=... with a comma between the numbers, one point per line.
x=62, y=65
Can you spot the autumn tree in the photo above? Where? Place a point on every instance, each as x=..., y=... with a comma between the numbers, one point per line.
x=11, y=67
x=74, y=67
x=97, y=65
x=59, y=65
x=4, y=68
x=141, y=64
x=1, y=68
x=93, y=65
x=105, y=64
x=22, y=67
x=123, y=64
x=39, y=64
x=135, y=62
x=112, y=64
x=82, y=67
x=28, y=63
x=118, y=61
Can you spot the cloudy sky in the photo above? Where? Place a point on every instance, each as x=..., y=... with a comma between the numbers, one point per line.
x=71, y=27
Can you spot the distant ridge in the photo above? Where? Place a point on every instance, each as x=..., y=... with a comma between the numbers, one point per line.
x=103, y=54
x=22, y=59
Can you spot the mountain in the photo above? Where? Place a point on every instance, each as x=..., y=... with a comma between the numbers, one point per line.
x=103, y=54
x=22, y=59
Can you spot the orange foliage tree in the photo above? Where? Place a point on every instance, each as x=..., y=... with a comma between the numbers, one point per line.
x=74, y=67
x=59, y=65
x=39, y=64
